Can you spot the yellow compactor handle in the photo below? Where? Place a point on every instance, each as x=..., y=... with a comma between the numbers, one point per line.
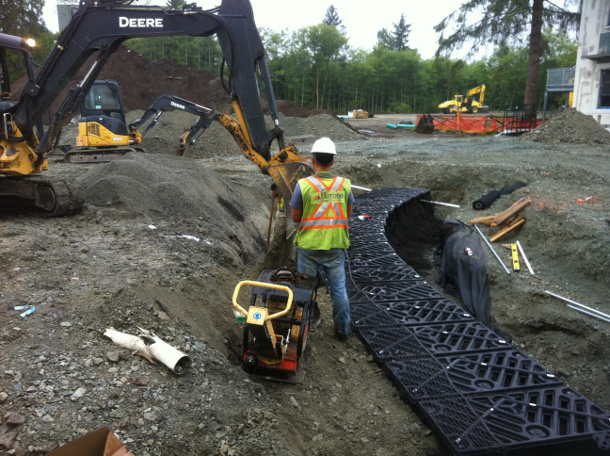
x=265, y=285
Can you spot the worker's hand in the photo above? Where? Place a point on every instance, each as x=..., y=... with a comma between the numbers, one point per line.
x=5, y=95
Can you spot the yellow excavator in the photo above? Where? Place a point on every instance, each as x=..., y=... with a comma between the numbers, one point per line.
x=472, y=103
x=103, y=132
x=97, y=29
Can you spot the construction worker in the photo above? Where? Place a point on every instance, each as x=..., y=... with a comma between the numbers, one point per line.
x=321, y=205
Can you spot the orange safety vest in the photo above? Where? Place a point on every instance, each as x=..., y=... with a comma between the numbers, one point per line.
x=324, y=223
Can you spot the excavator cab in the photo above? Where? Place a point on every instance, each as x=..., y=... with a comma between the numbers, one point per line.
x=104, y=99
x=102, y=121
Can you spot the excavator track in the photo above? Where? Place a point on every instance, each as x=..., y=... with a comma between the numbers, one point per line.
x=45, y=197
x=97, y=155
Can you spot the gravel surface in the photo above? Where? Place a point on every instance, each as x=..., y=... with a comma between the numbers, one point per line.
x=163, y=241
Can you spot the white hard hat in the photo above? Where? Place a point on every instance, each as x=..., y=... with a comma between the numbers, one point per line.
x=324, y=146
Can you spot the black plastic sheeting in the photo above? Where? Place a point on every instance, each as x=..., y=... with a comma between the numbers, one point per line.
x=480, y=394
x=462, y=266
x=487, y=200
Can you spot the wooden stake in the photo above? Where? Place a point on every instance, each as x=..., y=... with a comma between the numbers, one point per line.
x=520, y=221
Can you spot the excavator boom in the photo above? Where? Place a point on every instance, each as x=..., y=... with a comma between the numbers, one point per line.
x=97, y=29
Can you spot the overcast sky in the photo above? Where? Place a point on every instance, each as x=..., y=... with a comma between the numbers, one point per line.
x=361, y=23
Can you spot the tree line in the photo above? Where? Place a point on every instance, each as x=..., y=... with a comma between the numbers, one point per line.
x=315, y=66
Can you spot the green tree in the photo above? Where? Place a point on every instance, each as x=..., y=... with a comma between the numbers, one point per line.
x=20, y=17
x=332, y=18
x=397, y=39
x=401, y=34
x=384, y=38
x=324, y=44
x=504, y=22
x=174, y=4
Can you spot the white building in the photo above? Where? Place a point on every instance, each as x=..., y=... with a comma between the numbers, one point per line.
x=592, y=78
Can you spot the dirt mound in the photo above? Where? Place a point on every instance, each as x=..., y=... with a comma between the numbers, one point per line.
x=569, y=127
x=217, y=141
x=142, y=82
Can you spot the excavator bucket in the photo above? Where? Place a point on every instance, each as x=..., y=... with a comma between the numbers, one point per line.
x=287, y=175
x=286, y=168
x=425, y=124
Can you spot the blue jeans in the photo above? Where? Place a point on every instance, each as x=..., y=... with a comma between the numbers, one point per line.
x=333, y=263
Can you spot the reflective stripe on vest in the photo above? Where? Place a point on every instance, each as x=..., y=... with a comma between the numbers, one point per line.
x=329, y=214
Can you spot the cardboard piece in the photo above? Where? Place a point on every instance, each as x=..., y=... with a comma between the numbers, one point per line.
x=102, y=442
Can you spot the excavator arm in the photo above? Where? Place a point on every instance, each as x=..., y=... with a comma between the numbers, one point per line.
x=161, y=105
x=99, y=27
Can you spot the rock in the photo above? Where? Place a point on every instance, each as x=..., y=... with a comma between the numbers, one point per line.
x=78, y=394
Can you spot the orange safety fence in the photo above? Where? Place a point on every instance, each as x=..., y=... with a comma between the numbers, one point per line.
x=478, y=124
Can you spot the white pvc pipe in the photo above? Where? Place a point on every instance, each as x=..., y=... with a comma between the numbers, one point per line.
x=582, y=308
x=492, y=249
x=152, y=346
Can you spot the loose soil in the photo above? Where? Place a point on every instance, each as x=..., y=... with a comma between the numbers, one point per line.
x=163, y=240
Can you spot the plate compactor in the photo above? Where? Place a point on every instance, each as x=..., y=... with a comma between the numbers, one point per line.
x=277, y=323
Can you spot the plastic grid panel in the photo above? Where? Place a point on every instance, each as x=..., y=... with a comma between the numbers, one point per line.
x=420, y=377
x=538, y=416
x=372, y=252
x=370, y=208
x=381, y=318
x=360, y=305
x=482, y=404
x=379, y=339
x=366, y=244
x=398, y=274
x=363, y=260
x=362, y=227
x=363, y=309
x=366, y=239
x=462, y=337
x=400, y=291
x=460, y=426
x=428, y=311
x=504, y=370
x=396, y=195
x=418, y=373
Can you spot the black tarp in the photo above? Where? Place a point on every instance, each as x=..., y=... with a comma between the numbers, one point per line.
x=487, y=200
x=463, y=274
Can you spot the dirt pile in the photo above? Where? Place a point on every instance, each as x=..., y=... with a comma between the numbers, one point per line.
x=142, y=82
x=569, y=127
x=217, y=141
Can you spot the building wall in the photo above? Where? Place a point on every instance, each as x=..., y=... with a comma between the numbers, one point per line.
x=594, y=21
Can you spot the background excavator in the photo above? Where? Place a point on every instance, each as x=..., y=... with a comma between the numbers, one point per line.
x=472, y=103
x=103, y=132
x=97, y=29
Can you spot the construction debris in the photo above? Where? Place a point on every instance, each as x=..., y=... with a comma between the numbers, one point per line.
x=506, y=220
